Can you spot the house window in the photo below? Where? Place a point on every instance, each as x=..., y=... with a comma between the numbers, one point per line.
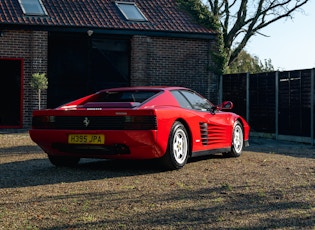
x=33, y=7
x=131, y=11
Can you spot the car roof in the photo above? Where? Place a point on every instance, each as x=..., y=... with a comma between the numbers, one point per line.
x=144, y=88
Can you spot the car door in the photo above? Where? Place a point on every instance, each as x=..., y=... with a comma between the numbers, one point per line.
x=215, y=126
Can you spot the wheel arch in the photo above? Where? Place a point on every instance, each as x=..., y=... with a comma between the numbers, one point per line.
x=242, y=123
x=185, y=123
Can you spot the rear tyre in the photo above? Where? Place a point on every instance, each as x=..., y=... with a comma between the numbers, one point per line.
x=237, y=141
x=62, y=161
x=178, y=148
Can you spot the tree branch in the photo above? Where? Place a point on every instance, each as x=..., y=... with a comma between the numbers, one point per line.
x=245, y=25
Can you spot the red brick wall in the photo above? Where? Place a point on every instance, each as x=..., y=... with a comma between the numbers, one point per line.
x=154, y=61
x=172, y=61
x=31, y=46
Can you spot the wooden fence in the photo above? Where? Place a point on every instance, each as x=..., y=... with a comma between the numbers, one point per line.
x=276, y=104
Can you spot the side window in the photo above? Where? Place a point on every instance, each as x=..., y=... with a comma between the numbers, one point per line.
x=181, y=100
x=197, y=102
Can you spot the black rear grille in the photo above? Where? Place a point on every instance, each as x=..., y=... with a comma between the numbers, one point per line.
x=96, y=122
x=93, y=123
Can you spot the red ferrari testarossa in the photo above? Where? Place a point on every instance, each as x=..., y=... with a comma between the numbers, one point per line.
x=167, y=123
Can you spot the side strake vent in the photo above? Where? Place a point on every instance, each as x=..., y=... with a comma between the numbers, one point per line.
x=204, y=133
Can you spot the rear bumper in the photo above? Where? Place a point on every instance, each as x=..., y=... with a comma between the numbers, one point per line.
x=119, y=144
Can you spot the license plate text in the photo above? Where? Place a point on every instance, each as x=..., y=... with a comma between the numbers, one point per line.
x=86, y=139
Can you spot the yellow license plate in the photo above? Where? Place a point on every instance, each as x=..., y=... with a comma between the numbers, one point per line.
x=86, y=139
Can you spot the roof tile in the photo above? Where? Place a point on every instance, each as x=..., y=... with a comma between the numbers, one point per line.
x=162, y=15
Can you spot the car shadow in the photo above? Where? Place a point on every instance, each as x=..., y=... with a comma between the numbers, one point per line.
x=34, y=172
x=39, y=170
x=25, y=149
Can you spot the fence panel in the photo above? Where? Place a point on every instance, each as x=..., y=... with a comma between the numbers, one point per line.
x=294, y=103
x=262, y=102
x=285, y=107
x=306, y=103
x=234, y=89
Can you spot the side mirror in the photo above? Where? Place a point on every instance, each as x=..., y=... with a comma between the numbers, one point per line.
x=226, y=105
x=223, y=106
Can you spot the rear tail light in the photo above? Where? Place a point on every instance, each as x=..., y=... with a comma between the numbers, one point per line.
x=43, y=122
x=144, y=122
x=140, y=123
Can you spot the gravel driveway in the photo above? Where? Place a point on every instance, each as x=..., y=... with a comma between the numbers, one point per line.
x=271, y=186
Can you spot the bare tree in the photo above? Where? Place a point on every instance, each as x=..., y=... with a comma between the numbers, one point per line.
x=241, y=19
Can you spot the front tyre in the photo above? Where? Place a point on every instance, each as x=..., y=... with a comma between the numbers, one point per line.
x=178, y=148
x=237, y=141
x=62, y=161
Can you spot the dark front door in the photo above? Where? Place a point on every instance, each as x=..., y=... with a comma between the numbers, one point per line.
x=11, y=93
x=80, y=64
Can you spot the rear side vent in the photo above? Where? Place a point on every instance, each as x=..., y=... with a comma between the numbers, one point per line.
x=204, y=133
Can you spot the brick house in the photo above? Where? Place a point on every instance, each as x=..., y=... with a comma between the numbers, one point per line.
x=85, y=46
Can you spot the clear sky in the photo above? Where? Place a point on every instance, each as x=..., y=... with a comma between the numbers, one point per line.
x=291, y=43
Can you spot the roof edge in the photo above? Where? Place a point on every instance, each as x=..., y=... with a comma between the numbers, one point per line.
x=173, y=34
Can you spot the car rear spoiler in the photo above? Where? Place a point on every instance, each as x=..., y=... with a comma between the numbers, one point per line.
x=111, y=104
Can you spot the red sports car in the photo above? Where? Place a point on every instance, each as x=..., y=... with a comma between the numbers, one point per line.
x=167, y=123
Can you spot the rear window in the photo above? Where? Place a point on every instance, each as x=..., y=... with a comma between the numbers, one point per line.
x=123, y=96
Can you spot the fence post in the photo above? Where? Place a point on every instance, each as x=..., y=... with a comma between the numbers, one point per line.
x=220, y=89
x=277, y=104
x=312, y=105
x=247, y=96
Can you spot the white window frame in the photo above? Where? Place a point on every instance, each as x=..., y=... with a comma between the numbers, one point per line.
x=37, y=3
x=141, y=15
